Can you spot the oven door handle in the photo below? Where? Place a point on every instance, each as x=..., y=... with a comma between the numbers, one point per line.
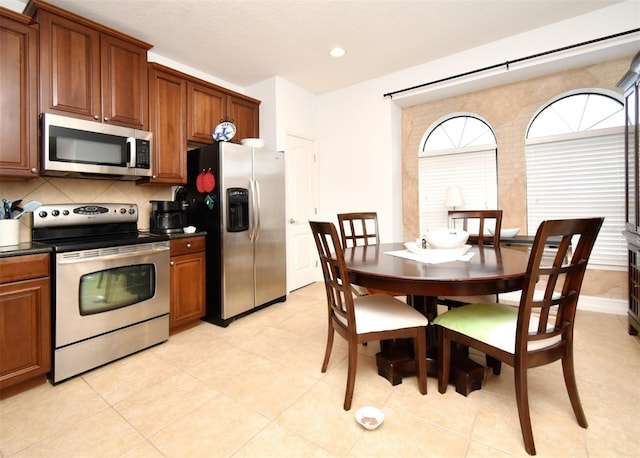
x=71, y=260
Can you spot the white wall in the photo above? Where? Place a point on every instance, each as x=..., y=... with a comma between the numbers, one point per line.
x=359, y=130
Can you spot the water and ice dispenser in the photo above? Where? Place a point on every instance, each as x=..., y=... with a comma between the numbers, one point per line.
x=237, y=209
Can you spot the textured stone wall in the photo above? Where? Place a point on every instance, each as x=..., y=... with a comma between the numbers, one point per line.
x=508, y=109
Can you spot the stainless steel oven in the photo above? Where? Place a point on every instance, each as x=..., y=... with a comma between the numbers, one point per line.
x=111, y=284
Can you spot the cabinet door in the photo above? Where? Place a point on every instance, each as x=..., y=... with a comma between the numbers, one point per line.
x=245, y=115
x=187, y=288
x=69, y=67
x=168, y=113
x=124, y=83
x=18, y=93
x=25, y=331
x=206, y=107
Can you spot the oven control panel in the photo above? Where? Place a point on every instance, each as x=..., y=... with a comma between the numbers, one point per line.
x=58, y=215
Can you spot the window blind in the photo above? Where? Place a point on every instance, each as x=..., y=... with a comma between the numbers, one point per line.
x=576, y=176
x=474, y=171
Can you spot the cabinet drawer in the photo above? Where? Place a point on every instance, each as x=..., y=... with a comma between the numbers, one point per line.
x=25, y=267
x=187, y=245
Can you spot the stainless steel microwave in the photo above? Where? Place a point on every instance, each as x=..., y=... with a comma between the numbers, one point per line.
x=78, y=148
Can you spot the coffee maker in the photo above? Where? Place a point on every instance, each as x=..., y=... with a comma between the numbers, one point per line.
x=168, y=216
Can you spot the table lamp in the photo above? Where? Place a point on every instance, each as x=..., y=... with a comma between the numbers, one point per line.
x=452, y=200
x=454, y=197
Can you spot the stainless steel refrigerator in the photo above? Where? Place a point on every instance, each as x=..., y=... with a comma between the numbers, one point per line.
x=237, y=194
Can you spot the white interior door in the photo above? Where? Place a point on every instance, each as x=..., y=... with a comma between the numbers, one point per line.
x=302, y=199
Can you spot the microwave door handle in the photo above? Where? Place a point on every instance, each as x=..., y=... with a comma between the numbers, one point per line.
x=131, y=152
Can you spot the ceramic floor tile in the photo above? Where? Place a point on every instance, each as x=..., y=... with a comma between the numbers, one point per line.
x=152, y=409
x=264, y=385
x=115, y=382
x=275, y=441
x=318, y=416
x=610, y=442
x=55, y=408
x=450, y=410
x=218, y=427
x=405, y=435
x=103, y=434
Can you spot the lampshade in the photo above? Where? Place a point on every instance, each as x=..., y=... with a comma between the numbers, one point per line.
x=454, y=197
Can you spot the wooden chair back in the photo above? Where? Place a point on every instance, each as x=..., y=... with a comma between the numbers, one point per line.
x=481, y=216
x=359, y=228
x=336, y=277
x=561, y=282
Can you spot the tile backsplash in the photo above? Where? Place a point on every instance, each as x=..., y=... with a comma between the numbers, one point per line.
x=49, y=190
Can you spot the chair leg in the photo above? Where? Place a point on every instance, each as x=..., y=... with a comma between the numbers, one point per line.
x=327, y=351
x=494, y=364
x=522, y=400
x=420, y=350
x=444, y=359
x=572, y=388
x=351, y=374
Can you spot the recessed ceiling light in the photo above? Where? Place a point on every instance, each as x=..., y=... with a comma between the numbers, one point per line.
x=337, y=52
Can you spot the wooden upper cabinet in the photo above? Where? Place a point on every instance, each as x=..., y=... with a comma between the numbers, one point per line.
x=19, y=96
x=206, y=109
x=168, y=120
x=245, y=115
x=90, y=73
x=125, y=80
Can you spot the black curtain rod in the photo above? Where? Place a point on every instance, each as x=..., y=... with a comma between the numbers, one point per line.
x=509, y=62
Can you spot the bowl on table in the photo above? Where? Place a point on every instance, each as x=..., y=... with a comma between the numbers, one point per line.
x=506, y=233
x=446, y=238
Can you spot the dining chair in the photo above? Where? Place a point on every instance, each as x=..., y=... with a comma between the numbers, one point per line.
x=361, y=229
x=482, y=219
x=363, y=319
x=537, y=332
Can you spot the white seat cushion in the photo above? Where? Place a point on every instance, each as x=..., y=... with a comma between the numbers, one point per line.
x=380, y=312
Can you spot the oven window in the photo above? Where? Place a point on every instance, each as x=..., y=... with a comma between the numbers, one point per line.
x=114, y=288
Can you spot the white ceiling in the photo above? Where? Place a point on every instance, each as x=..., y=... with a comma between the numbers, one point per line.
x=247, y=41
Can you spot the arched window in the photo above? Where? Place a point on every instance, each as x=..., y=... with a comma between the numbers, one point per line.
x=575, y=167
x=459, y=150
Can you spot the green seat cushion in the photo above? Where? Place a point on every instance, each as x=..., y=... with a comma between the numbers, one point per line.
x=494, y=324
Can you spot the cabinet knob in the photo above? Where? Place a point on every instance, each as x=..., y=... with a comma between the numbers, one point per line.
x=96, y=117
x=171, y=263
x=188, y=245
x=34, y=170
x=106, y=119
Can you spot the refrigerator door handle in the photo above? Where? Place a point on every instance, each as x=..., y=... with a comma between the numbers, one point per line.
x=256, y=186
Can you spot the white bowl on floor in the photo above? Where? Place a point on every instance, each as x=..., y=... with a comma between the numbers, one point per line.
x=369, y=417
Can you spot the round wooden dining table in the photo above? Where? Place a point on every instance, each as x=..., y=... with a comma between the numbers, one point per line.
x=489, y=271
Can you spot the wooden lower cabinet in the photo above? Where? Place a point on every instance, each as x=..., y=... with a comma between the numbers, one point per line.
x=25, y=321
x=188, y=270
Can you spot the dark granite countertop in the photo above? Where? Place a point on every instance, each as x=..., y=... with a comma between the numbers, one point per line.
x=181, y=235
x=24, y=248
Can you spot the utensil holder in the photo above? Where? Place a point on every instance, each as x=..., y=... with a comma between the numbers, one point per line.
x=9, y=232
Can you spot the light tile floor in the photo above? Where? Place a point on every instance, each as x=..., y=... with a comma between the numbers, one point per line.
x=255, y=389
